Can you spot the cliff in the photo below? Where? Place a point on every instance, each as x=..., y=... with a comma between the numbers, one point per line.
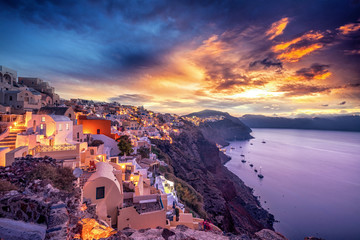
x=226, y=128
x=337, y=123
x=228, y=203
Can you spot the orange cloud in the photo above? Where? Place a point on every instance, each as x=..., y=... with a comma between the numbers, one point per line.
x=295, y=54
x=349, y=28
x=277, y=28
x=315, y=72
x=311, y=36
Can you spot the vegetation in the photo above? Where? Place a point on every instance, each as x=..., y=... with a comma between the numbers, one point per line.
x=177, y=213
x=61, y=178
x=6, y=186
x=124, y=145
x=190, y=197
x=144, y=152
x=160, y=155
x=187, y=194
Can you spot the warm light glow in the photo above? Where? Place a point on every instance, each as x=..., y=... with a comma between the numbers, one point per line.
x=91, y=229
x=257, y=93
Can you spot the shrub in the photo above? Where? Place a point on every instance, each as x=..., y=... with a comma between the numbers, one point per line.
x=61, y=178
x=144, y=152
x=6, y=186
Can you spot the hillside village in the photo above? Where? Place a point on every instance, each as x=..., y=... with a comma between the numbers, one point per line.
x=108, y=148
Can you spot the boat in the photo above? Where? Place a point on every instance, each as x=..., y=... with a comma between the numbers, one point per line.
x=255, y=170
x=251, y=144
x=263, y=141
x=260, y=174
x=242, y=155
x=251, y=165
x=244, y=161
x=240, y=146
x=232, y=148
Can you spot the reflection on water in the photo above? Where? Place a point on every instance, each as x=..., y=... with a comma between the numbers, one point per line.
x=311, y=179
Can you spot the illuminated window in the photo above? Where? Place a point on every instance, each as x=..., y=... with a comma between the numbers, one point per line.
x=43, y=119
x=100, y=192
x=67, y=126
x=41, y=126
x=60, y=127
x=114, y=160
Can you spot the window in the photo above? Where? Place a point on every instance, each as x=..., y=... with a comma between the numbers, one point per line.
x=60, y=127
x=113, y=160
x=41, y=126
x=67, y=126
x=98, y=131
x=77, y=135
x=100, y=192
x=10, y=98
x=43, y=119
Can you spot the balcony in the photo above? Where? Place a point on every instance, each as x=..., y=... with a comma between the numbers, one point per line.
x=56, y=148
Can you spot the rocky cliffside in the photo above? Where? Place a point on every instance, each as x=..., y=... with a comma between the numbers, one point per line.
x=227, y=128
x=228, y=202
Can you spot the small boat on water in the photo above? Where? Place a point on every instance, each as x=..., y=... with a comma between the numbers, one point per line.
x=263, y=141
x=255, y=170
x=251, y=144
x=243, y=161
x=232, y=148
x=260, y=174
x=242, y=155
x=251, y=165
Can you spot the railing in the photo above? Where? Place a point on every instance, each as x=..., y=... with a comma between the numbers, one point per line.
x=56, y=148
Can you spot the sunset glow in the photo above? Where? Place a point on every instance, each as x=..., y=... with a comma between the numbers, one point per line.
x=172, y=64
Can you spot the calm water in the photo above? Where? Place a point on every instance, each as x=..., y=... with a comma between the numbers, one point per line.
x=311, y=180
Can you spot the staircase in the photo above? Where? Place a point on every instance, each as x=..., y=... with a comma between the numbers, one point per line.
x=10, y=140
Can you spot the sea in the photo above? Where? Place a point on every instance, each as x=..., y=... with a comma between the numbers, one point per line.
x=311, y=180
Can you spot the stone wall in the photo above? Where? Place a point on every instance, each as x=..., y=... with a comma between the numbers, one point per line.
x=38, y=203
x=17, y=206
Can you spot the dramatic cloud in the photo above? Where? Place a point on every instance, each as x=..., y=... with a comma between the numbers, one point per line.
x=267, y=62
x=303, y=89
x=349, y=28
x=181, y=56
x=131, y=98
x=315, y=71
x=277, y=28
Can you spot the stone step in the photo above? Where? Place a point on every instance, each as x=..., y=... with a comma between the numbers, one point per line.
x=7, y=140
x=7, y=145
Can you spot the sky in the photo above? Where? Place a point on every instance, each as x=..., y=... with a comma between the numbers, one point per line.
x=276, y=58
